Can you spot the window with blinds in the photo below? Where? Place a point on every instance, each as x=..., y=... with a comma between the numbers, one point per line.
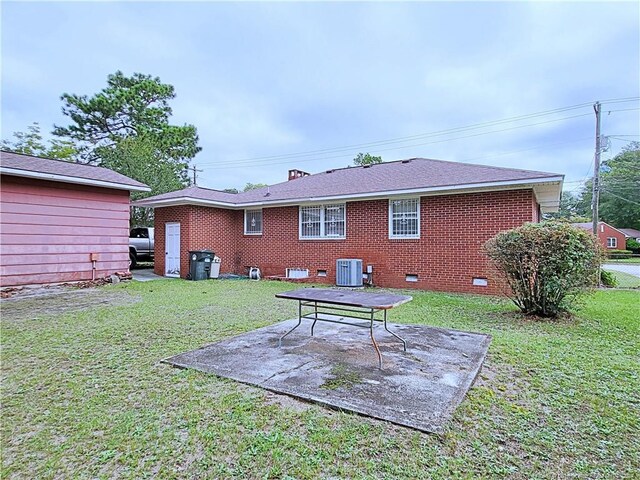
x=404, y=218
x=323, y=221
x=253, y=222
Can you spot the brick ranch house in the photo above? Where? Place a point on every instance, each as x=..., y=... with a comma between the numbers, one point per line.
x=417, y=223
x=61, y=221
x=609, y=237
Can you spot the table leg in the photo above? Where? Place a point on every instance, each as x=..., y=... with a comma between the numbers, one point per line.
x=404, y=343
x=373, y=340
x=299, y=322
x=315, y=317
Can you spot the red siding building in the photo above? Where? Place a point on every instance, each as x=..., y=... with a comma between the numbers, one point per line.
x=61, y=221
x=416, y=223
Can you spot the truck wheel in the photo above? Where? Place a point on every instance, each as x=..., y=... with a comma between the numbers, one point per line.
x=132, y=260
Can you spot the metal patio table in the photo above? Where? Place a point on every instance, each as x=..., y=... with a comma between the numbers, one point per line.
x=347, y=307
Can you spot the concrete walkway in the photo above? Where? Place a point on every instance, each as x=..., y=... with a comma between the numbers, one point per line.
x=625, y=268
x=145, y=275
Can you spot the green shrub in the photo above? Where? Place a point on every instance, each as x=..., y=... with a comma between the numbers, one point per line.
x=633, y=245
x=619, y=253
x=608, y=279
x=547, y=265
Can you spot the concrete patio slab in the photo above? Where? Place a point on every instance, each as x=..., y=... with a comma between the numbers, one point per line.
x=338, y=367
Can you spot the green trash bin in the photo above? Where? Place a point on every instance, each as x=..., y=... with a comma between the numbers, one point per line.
x=200, y=264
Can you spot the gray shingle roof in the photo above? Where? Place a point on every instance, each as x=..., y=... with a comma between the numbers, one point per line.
x=198, y=193
x=412, y=174
x=630, y=232
x=589, y=226
x=60, y=170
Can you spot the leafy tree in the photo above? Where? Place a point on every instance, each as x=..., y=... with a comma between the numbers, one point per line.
x=547, y=265
x=366, y=159
x=253, y=186
x=247, y=187
x=128, y=107
x=619, y=189
x=138, y=157
x=32, y=143
x=620, y=196
x=570, y=209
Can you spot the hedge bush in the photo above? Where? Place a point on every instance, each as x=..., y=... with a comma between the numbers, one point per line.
x=608, y=279
x=633, y=245
x=619, y=254
x=547, y=265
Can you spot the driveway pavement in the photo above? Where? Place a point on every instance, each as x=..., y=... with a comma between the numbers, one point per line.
x=145, y=275
x=625, y=268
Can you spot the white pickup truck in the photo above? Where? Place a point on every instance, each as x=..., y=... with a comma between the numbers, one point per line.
x=140, y=244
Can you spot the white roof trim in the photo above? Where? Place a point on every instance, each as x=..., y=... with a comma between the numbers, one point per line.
x=451, y=189
x=54, y=177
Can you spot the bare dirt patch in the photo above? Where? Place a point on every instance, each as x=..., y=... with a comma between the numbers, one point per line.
x=41, y=302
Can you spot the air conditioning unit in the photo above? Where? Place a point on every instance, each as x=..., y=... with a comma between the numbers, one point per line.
x=348, y=272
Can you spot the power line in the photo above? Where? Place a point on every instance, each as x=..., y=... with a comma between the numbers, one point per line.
x=620, y=100
x=298, y=158
x=418, y=136
x=623, y=110
x=227, y=165
x=621, y=198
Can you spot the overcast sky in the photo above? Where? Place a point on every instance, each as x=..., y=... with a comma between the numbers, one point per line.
x=273, y=79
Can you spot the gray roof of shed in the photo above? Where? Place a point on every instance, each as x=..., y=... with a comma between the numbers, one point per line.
x=20, y=165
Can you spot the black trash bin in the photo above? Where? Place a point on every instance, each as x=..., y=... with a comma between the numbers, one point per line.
x=200, y=264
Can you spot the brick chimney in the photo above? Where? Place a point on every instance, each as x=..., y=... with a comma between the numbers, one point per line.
x=293, y=174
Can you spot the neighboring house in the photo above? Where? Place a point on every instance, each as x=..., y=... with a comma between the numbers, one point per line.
x=610, y=237
x=61, y=221
x=631, y=233
x=417, y=223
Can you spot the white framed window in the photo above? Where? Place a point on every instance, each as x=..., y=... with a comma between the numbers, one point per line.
x=323, y=221
x=404, y=218
x=612, y=242
x=253, y=222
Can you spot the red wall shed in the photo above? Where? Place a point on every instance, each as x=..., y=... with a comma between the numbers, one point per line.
x=57, y=218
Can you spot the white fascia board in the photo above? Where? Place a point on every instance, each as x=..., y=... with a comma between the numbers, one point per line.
x=68, y=179
x=429, y=191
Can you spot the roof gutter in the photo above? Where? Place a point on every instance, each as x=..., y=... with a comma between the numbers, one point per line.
x=69, y=179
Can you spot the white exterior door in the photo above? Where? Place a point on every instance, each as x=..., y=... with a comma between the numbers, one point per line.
x=172, y=250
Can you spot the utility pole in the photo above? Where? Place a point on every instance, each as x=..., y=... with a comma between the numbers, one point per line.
x=195, y=174
x=596, y=171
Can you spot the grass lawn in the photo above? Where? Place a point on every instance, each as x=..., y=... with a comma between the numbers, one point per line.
x=626, y=280
x=83, y=394
x=631, y=261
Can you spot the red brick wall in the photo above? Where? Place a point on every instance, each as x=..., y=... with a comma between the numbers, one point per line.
x=446, y=257
x=605, y=231
x=201, y=228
